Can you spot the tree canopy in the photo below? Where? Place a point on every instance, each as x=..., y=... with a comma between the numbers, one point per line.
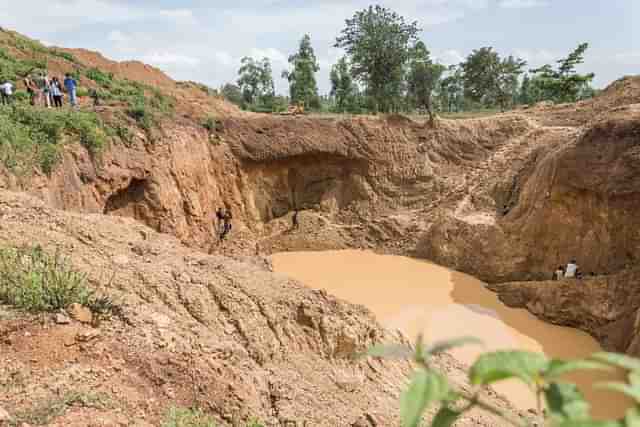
x=256, y=80
x=377, y=42
x=490, y=80
x=303, y=88
x=423, y=78
x=564, y=84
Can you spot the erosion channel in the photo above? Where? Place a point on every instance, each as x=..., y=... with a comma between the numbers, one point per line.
x=414, y=295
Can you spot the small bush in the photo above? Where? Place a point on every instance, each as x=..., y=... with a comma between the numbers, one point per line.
x=64, y=55
x=179, y=417
x=141, y=114
x=82, y=91
x=34, y=281
x=212, y=124
x=103, y=79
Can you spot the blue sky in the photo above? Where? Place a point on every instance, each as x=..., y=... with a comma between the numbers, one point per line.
x=203, y=40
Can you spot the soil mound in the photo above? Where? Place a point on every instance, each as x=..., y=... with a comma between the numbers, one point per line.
x=198, y=330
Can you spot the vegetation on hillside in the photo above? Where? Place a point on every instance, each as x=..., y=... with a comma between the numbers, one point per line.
x=32, y=137
x=34, y=281
x=563, y=404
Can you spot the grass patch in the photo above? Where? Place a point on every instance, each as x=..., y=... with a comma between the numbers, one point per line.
x=145, y=104
x=34, y=281
x=188, y=417
x=181, y=417
x=212, y=124
x=32, y=137
x=45, y=412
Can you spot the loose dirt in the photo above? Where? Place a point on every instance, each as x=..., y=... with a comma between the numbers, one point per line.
x=416, y=296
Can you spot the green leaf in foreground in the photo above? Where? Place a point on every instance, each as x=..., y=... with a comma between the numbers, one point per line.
x=585, y=423
x=632, y=417
x=500, y=365
x=565, y=401
x=445, y=417
x=442, y=346
x=619, y=360
x=559, y=367
x=631, y=391
x=426, y=387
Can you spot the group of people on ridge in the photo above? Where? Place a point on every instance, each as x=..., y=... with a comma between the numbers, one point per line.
x=49, y=92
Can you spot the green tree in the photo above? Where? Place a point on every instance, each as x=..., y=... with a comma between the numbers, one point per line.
x=525, y=91
x=564, y=84
x=489, y=79
x=303, y=88
x=423, y=78
x=256, y=81
x=452, y=90
x=343, y=88
x=377, y=42
x=232, y=93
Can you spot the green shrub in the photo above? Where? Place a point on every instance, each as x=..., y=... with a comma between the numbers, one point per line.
x=179, y=417
x=212, y=124
x=565, y=405
x=100, y=77
x=141, y=114
x=64, y=55
x=34, y=281
x=35, y=134
x=82, y=91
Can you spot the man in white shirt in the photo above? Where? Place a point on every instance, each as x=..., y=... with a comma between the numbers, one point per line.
x=572, y=269
x=6, y=92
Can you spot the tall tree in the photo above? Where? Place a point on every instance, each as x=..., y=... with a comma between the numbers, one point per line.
x=452, y=89
x=303, y=88
x=256, y=80
x=489, y=79
x=565, y=84
x=232, y=93
x=423, y=78
x=343, y=89
x=377, y=42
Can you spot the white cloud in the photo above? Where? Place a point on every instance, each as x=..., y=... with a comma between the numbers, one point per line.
x=276, y=56
x=223, y=58
x=627, y=58
x=177, y=13
x=522, y=4
x=450, y=57
x=118, y=36
x=537, y=56
x=170, y=59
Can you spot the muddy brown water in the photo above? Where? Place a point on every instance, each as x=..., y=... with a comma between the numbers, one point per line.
x=417, y=296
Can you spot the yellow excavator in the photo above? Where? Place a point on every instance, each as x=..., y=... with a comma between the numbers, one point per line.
x=294, y=110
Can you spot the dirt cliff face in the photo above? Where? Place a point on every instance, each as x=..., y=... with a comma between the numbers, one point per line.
x=198, y=330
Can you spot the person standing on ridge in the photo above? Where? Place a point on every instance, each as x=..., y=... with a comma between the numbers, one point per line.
x=559, y=273
x=227, y=224
x=45, y=87
x=31, y=88
x=56, y=92
x=220, y=218
x=70, y=85
x=295, y=224
x=6, y=92
x=572, y=269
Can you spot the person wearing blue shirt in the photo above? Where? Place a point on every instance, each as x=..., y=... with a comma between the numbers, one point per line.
x=70, y=85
